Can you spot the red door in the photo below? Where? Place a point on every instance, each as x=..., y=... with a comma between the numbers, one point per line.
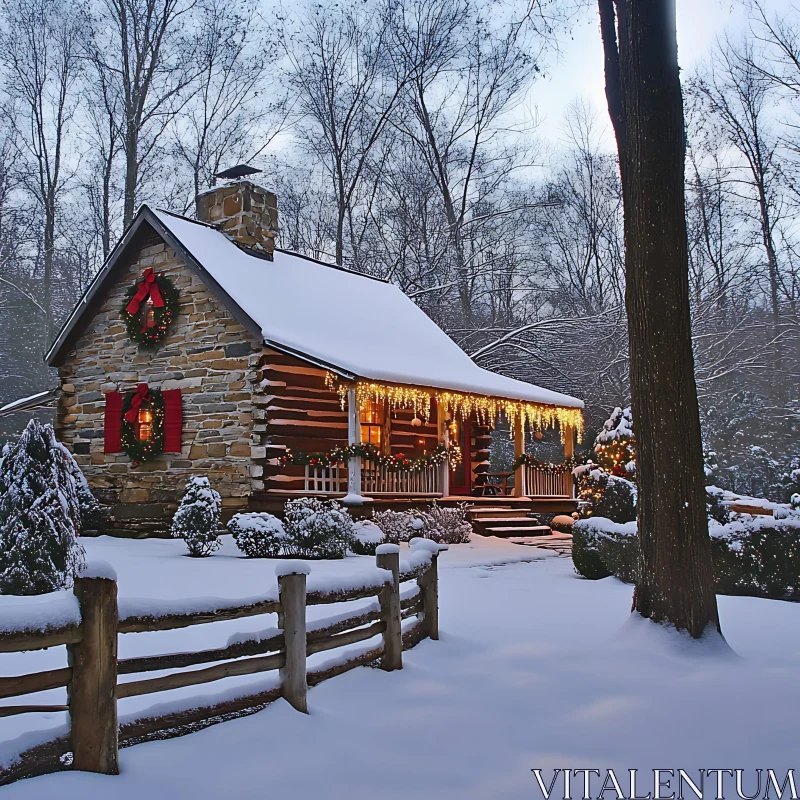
x=461, y=474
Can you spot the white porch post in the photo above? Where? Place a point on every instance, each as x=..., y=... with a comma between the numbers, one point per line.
x=569, y=452
x=444, y=438
x=519, y=449
x=354, y=497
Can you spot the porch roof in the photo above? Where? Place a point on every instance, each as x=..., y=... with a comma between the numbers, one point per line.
x=353, y=324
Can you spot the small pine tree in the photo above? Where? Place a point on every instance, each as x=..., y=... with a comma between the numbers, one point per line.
x=197, y=520
x=40, y=515
x=91, y=511
x=615, y=446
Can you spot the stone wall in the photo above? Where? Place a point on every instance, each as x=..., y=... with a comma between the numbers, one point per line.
x=208, y=355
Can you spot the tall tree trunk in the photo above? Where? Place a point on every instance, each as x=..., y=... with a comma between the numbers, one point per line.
x=643, y=88
x=131, y=172
x=49, y=247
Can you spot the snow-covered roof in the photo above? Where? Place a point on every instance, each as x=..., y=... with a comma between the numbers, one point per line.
x=38, y=400
x=354, y=323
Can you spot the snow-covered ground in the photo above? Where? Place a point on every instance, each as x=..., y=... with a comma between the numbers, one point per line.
x=535, y=668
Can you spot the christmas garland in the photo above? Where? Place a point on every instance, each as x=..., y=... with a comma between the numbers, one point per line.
x=164, y=296
x=369, y=452
x=526, y=460
x=137, y=450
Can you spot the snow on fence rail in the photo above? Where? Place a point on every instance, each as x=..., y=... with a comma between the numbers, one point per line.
x=91, y=630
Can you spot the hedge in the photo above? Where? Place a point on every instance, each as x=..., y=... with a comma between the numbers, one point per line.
x=753, y=556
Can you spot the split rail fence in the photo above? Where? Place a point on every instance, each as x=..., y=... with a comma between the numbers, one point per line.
x=92, y=682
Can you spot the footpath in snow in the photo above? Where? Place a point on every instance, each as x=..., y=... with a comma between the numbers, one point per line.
x=535, y=667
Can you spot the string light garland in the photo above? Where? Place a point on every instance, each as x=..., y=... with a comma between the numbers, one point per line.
x=369, y=452
x=538, y=416
x=526, y=460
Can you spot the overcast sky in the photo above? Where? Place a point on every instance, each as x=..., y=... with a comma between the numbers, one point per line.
x=579, y=70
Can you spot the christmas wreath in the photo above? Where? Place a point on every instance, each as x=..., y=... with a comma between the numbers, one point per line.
x=161, y=297
x=139, y=450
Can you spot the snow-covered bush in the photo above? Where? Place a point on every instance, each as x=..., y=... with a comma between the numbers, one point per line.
x=449, y=525
x=366, y=538
x=441, y=524
x=258, y=535
x=605, y=495
x=601, y=548
x=757, y=556
x=197, y=520
x=396, y=525
x=715, y=508
x=317, y=528
x=40, y=515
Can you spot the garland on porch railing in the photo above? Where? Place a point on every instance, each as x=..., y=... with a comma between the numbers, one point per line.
x=369, y=452
x=526, y=460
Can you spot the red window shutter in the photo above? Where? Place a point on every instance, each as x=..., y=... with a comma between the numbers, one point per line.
x=112, y=424
x=173, y=420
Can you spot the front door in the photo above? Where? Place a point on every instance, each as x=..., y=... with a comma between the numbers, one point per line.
x=461, y=474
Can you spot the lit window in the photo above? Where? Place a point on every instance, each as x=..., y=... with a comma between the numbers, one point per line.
x=144, y=424
x=147, y=315
x=371, y=422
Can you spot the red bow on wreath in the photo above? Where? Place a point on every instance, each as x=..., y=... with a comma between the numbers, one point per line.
x=140, y=397
x=148, y=287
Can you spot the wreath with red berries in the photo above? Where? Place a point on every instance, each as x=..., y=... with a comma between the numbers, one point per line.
x=139, y=450
x=150, y=307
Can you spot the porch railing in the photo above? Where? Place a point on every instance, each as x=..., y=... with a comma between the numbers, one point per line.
x=377, y=480
x=539, y=483
x=326, y=480
x=374, y=480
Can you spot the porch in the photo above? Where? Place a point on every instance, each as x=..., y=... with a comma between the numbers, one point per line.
x=406, y=448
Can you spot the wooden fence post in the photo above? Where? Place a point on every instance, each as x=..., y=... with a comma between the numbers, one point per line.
x=93, y=690
x=429, y=586
x=388, y=557
x=293, y=621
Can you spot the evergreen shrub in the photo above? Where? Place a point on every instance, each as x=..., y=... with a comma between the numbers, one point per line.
x=258, y=535
x=197, y=520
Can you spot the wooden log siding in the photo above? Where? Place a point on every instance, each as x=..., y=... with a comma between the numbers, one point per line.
x=294, y=410
x=98, y=742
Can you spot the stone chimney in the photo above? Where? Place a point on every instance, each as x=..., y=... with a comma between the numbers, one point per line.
x=243, y=211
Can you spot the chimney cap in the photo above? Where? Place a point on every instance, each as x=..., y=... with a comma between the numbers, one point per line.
x=239, y=171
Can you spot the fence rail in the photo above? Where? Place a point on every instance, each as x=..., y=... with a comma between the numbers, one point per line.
x=92, y=675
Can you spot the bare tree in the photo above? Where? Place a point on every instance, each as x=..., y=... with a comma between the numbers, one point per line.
x=675, y=582
x=735, y=94
x=39, y=45
x=235, y=113
x=148, y=64
x=346, y=89
x=466, y=78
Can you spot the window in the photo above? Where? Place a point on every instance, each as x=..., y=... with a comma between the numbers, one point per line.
x=144, y=423
x=372, y=422
x=147, y=315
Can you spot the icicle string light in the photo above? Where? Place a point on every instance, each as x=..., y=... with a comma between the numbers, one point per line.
x=456, y=404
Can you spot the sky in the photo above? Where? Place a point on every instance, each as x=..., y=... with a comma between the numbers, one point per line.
x=578, y=71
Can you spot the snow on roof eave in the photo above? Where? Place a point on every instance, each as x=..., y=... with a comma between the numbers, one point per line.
x=35, y=401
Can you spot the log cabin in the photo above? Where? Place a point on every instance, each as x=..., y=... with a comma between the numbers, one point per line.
x=202, y=348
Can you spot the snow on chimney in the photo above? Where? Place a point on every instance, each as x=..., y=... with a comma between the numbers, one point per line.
x=241, y=209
